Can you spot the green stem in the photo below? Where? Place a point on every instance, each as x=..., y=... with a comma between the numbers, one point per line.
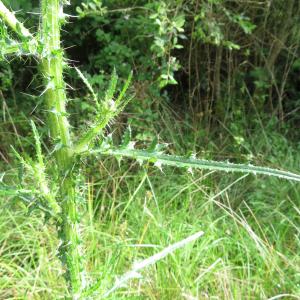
x=55, y=97
x=28, y=46
x=12, y=21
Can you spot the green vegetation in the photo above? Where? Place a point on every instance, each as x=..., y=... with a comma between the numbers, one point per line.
x=97, y=197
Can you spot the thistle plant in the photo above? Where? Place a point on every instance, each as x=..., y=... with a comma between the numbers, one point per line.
x=60, y=201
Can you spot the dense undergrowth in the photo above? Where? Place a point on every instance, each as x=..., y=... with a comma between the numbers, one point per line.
x=209, y=79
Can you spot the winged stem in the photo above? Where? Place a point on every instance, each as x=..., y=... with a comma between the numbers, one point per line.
x=51, y=68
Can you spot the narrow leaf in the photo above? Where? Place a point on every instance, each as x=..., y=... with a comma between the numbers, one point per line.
x=112, y=86
x=88, y=85
x=183, y=162
x=37, y=144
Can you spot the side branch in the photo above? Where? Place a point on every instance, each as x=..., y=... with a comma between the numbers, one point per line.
x=13, y=23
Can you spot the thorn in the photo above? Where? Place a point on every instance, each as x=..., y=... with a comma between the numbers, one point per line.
x=158, y=164
x=190, y=170
x=131, y=145
x=140, y=161
x=193, y=156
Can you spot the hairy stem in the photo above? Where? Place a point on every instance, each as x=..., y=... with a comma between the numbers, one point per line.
x=55, y=97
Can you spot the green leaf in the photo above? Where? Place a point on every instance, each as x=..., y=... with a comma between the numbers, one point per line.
x=179, y=22
x=126, y=138
x=112, y=86
x=37, y=144
x=88, y=85
x=183, y=162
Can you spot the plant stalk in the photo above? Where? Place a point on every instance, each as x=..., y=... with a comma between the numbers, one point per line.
x=56, y=100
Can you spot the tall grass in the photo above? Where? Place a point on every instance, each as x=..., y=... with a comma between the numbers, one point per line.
x=250, y=249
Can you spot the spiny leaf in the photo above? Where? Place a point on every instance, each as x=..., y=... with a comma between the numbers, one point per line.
x=12, y=191
x=126, y=137
x=112, y=86
x=109, y=109
x=183, y=162
x=21, y=159
x=37, y=145
x=153, y=144
x=37, y=171
x=121, y=105
x=88, y=85
x=28, y=196
x=125, y=88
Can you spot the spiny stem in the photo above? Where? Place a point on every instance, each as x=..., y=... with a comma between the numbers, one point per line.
x=55, y=97
x=12, y=21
